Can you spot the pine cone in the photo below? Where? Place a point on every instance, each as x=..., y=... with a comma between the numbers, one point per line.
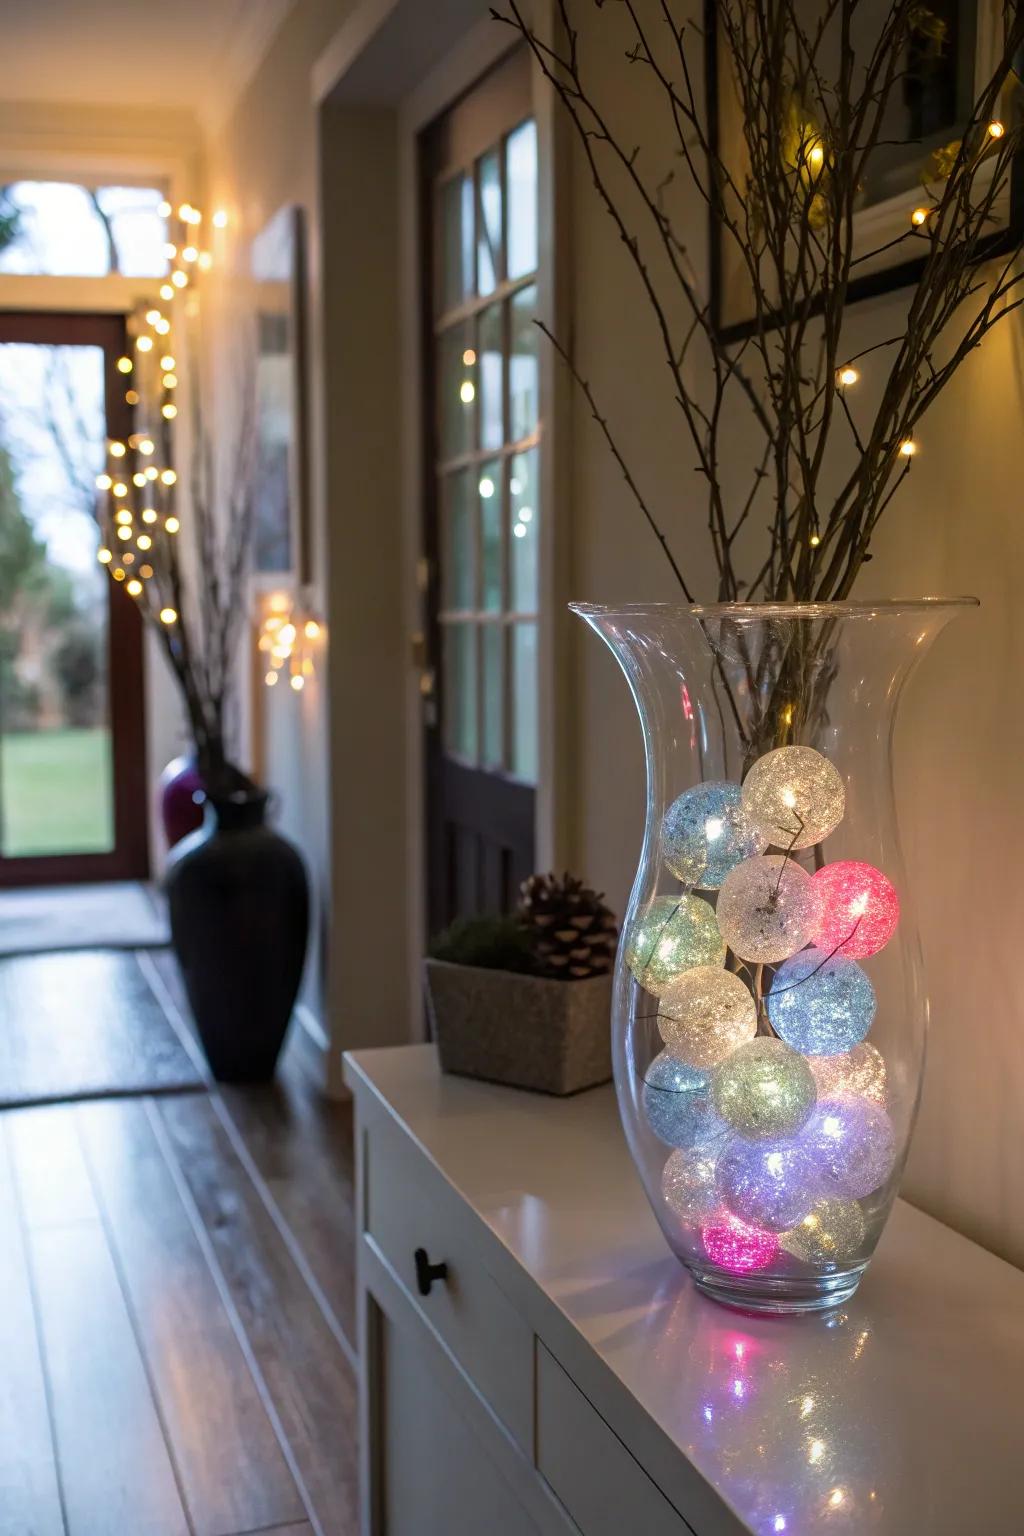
x=575, y=934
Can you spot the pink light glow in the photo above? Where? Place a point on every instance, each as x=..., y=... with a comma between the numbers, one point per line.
x=736, y=1246
x=860, y=909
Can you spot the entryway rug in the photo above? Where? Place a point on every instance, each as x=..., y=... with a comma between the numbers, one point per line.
x=82, y=1026
x=120, y=914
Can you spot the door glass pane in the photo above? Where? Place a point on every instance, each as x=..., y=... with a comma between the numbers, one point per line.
x=492, y=403
x=488, y=243
x=65, y=230
x=56, y=778
x=489, y=492
x=524, y=701
x=456, y=390
x=492, y=641
x=458, y=587
x=523, y=377
x=521, y=181
x=523, y=489
x=458, y=645
x=456, y=242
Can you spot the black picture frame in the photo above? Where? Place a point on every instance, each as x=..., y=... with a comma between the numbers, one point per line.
x=901, y=271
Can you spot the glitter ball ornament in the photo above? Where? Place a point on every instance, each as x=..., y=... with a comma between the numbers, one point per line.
x=821, y=1004
x=860, y=1072
x=767, y=909
x=737, y=1247
x=764, y=1090
x=853, y=1143
x=669, y=1071
x=830, y=1233
x=674, y=934
x=705, y=833
x=795, y=796
x=705, y=1014
x=859, y=909
x=688, y=1183
x=680, y=1117
x=769, y=1184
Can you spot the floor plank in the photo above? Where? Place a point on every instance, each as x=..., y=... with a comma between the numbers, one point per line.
x=54, y=1182
x=305, y=1370
x=115, y=1470
x=233, y=1474
x=29, y=1491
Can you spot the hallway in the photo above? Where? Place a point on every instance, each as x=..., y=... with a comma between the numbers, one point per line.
x=179, y=1280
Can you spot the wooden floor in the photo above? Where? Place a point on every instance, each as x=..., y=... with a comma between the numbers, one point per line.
x=176, y=1298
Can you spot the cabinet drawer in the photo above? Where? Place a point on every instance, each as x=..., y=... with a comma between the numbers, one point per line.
x=408, y=1208
x=585, y=1463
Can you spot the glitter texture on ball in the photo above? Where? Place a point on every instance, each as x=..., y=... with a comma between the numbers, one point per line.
x=768, y=908
x=858, y=909
x=764, y=1090
x=668, y=1070
x=735, y=1246
x=768, y=1184
x=688, y=1183
x=821, y=1004
x=705, y=1014
x=673, y=935
x=853, y=1143
x=795, y=796
x=829, y=1234
x=705, y=833
x=682, y=1117
x=860, y=1072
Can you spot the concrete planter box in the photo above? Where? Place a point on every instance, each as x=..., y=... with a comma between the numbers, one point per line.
x=525, y=1031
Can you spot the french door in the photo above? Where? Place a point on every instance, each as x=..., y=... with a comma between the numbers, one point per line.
x=482, y=514
x=73, y=788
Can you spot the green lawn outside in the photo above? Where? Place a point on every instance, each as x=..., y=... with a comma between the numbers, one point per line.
x=56, y=793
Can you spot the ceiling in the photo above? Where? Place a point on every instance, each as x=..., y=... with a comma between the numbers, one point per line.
x=188, y=54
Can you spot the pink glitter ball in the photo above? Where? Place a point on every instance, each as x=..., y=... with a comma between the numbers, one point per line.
x=736, y=1246
x=859, y=907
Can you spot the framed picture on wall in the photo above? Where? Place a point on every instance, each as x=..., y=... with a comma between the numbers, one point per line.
x=281, y=513
x=929, y=106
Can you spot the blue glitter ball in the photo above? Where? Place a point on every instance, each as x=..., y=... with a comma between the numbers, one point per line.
x=680, y=1116
x=705, y=834
x=768, y=1184
x=821, y=1006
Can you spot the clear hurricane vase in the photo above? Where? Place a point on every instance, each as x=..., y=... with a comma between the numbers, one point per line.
x=769, y=1014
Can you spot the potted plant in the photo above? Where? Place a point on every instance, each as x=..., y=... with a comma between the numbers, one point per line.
x=769, y=1009
x=524, y=1000
x=237, y=890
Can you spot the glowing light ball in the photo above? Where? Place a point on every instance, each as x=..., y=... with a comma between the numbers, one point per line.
x=819, y=1004
x=769, y=1184
x=705, y=1014
x=859, y=909
x=735, y=1246
x=705, y=833
x=795, y=796
x=833, y=1231
x=853, y=1143
x=669, y=1071
x=673, y=935
x=768, y=908
x=681, y=1117
x=688, y=1183
x=860, y=1072
x=764, y=1090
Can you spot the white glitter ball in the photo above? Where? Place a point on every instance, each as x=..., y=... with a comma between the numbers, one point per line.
x=768, y=908
x=688, y=1183
x=859, y=1071
x=673, y=935
x=705, y=1014
x=795, y=796
x=831, y=1233
x=764, y=1090
x=853, y=1142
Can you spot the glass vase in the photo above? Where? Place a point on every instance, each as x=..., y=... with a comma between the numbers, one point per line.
x=769, y=1013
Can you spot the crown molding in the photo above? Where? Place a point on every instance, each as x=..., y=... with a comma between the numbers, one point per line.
x=258, y=23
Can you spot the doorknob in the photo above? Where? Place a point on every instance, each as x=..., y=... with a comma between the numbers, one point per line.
x=427, y=1273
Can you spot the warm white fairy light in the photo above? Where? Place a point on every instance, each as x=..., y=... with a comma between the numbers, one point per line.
x=119, y=488
x=920, y=217
x=144, y=541
x=152, y=316
x=179, y=279
x=168, y=477
x=995, y=130
x=103, y=482
x=848, y=375
x=134, y=587
x=104, y=556
x=124, y=365
x=908, y=448
x=220, y=219
x=167, y=362
x=164, y=209
x=144, y=343
x=168, y=411
x=149, y=514
x=171, y=525
x=117, y=450
x=168, y=616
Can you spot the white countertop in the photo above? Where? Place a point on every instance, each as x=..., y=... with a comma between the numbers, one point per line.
x=903, y=1413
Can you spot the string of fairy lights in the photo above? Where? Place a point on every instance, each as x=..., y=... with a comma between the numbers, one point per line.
x=138, y=508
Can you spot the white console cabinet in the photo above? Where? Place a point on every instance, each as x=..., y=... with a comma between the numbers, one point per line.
x=535, y=1363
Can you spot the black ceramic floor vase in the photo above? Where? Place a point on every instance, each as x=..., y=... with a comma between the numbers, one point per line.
x=239, y=907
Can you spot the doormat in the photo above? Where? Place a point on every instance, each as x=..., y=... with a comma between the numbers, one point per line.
x=123, y=914
x=83, y=1026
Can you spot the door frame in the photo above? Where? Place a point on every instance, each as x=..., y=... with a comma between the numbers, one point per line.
x=129, y=858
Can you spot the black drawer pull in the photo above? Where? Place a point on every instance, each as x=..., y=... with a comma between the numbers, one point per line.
x=427, y=1273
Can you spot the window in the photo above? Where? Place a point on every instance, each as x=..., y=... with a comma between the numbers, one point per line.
x=61, y=229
